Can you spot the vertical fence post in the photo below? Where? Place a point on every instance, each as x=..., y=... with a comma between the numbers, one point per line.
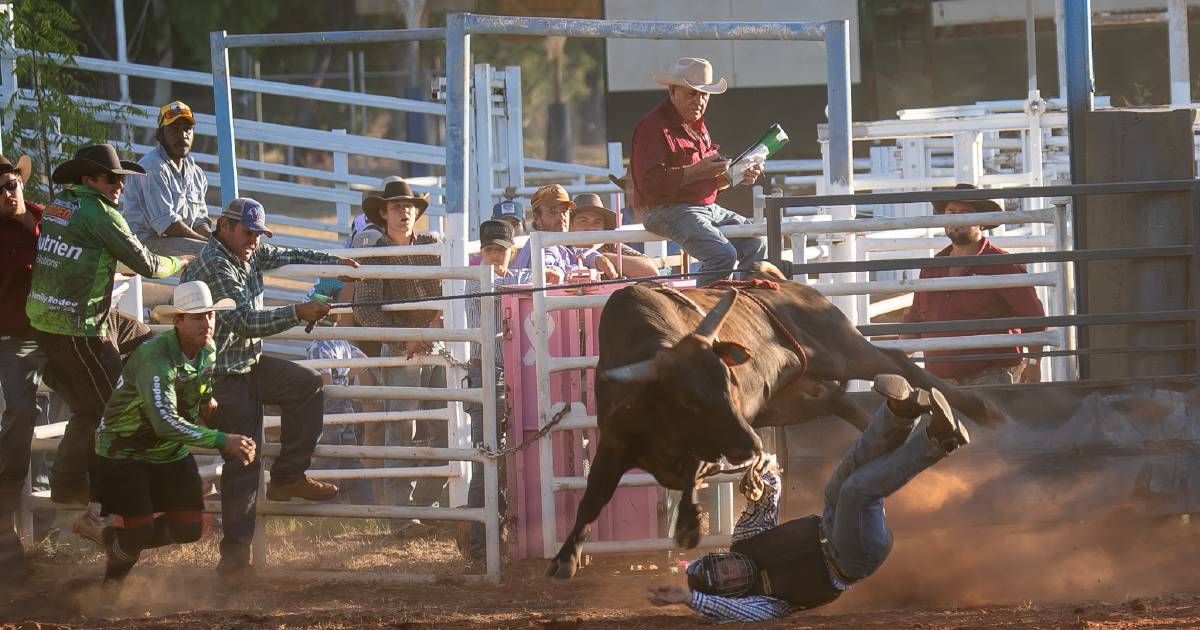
x=840, y=172
x=491, y=467
x=122, y=56
x=223, y=109
x=1177, y=52
x=482, y=158
x=341, y=166
x=516, y=138
x=458, y=196
x=1064, y=368
x=541, y=349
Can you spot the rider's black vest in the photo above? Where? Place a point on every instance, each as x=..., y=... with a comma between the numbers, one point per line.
x=790, y=562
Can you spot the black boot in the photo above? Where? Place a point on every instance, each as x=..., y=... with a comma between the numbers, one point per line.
x=902, y=399
x=119, y=562
x=944, y=429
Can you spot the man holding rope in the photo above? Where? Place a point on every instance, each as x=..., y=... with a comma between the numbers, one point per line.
x=774, y=570
x=232, y=265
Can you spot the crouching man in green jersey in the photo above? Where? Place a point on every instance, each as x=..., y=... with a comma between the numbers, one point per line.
x=143, y=465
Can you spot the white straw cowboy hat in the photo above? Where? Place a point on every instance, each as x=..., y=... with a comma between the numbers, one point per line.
x=694, y=73
x=191, y=298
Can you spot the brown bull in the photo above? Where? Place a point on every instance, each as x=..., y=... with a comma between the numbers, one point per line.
x=677, y=390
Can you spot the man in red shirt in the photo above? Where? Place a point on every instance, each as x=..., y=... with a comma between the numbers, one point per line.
x=20, y=361
x=934, y=306
x=677, y=173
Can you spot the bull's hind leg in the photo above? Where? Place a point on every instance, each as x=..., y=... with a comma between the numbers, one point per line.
x=602, y=481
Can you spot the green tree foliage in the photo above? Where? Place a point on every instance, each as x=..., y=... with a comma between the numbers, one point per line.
x=47, y=118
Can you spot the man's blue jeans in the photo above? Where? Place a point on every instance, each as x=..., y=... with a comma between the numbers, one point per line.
x=884, y=458
x=695, y=229
x=20, y=373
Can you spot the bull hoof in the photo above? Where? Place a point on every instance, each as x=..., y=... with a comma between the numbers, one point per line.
x=688, y=539
x=561, y=569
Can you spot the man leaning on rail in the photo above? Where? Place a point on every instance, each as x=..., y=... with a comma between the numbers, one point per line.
x=772, y=570
x=934, y=306
x=397, y=209
x=677, y=173
x=232, y=265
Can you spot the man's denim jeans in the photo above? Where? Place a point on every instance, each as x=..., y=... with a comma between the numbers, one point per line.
x=695, y=229
x=887, y=456
x=20, y=373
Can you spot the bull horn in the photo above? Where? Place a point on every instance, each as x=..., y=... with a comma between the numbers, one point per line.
x=707, y=330
x=640, y=372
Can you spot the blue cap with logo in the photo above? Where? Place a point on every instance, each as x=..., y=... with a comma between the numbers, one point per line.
x=249, y=213
x=509, y=208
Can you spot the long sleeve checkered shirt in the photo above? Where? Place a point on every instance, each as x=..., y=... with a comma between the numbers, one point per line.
x=395, y=289
x=239, y=332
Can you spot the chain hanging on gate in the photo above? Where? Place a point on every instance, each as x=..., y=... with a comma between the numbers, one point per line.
x=541, y=433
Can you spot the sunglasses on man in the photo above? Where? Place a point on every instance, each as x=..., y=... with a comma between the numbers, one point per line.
x=11, y=185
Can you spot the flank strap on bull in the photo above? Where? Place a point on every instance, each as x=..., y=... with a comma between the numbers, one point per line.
x=758, y=283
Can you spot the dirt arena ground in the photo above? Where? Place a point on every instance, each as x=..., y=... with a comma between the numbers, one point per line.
x=1010, y=579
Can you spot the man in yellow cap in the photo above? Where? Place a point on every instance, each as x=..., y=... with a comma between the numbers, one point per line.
x=166, y=209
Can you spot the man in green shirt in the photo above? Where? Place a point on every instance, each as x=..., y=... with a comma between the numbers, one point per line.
x=143, y=466
x=82, y=239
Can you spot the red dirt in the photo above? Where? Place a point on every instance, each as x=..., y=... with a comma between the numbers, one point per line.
x=604, y=596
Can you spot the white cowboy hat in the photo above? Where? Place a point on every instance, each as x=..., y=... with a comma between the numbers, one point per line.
x=190, y=298
x=694, y=73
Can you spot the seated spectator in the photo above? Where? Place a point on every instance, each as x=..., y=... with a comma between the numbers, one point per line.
x=551, y=213
x=166, y=209
x=934, y=306
x=590, y=215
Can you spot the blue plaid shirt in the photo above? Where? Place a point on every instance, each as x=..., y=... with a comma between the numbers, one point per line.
x=239, y=332
x=756, y=518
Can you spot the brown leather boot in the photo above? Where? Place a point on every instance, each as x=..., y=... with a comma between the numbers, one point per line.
x=302, y=488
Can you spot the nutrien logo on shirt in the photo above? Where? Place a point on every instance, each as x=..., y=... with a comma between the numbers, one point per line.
x=53, y=245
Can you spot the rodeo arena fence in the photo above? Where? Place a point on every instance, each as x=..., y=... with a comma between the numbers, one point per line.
x=860, y=250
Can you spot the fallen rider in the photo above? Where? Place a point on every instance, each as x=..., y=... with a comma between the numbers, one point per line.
x=775, y=570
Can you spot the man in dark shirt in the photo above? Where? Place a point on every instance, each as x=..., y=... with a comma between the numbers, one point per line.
x=935, y=306
x=774, y=570
x=677, y=173
x=20, y=360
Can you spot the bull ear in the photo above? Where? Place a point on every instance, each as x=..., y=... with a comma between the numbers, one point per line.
x=731, y=353
x=640, y=372
x=711, y=323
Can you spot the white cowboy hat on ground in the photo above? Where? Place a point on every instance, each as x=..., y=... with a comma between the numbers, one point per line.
x=694, y=73
x=190, y=298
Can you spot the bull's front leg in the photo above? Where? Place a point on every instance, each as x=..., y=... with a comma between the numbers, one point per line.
x=602, y=481
x=687, y=519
